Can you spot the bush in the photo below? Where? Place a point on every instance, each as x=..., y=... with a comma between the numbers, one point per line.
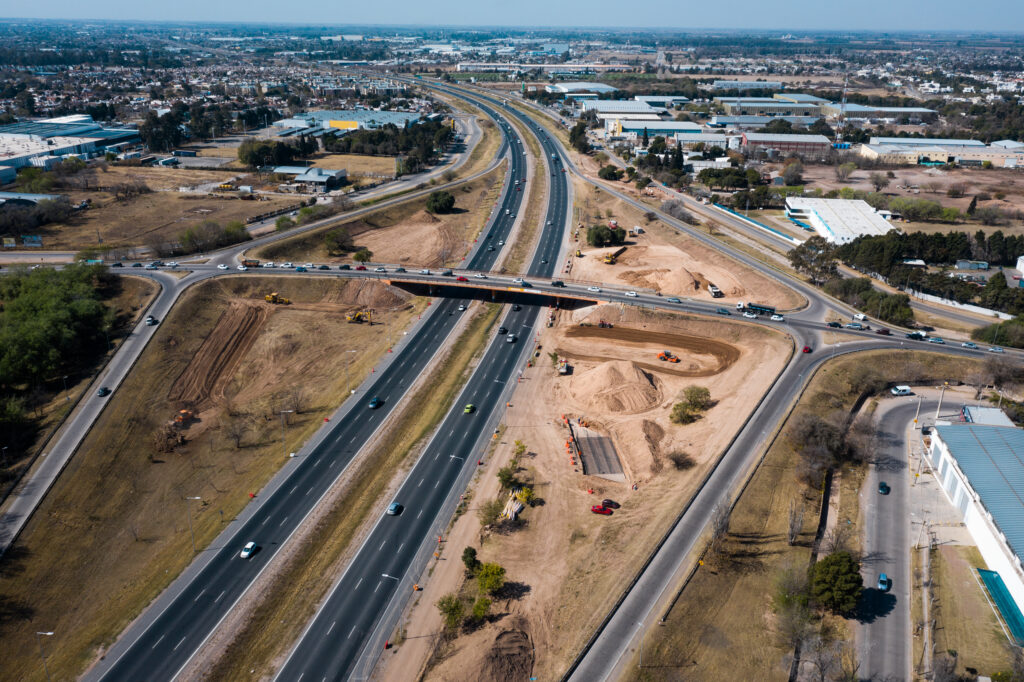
x=490, y=511
x=363, y=255
x=490, y=578
x=682, y=460
x=507, y=478
x=284, y=223
x=697, y=397
x=452, y=611
x=440, y=202
x=210, y=235
x=602, y=235
x=338, y=242
x=470, y=560
x=609, y=172
x=682, y=413
x=677, y=209
x=481, y=607
x=836, y=583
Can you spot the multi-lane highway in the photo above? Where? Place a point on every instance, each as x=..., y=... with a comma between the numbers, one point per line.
x=162, y=642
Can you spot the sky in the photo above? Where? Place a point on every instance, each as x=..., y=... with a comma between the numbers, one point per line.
x=855, y=15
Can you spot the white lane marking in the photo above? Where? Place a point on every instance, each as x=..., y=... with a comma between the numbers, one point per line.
x=265, y=521
x=378, y=586
x=311, y=488
x=282, y=522
x=420, y=483
x=436, y=483
x=181, y=642
x=420, y=514
x=219, y=596
x=331, y=628
x=358, y=584
x=400, y=548
x=294, y=489
x=317, y=462
x=351, y=632
x=200, y=595
x=158, y=641
x=382, y=545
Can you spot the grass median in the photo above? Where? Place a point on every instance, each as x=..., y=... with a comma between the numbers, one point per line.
x=273, y=625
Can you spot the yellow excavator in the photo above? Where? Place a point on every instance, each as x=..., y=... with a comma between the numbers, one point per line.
x=359, y=317
x=274, y=297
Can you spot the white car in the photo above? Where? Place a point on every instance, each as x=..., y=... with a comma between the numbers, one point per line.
x=379, y=270
x=222, y=267
x=778, y=318
x=308, y=266
x=594, y=289
x=995, y=349
x=242, y=268
x=172, y=264
x=286, y=265
x=267, y=265
x=750, y=315
x=631, y=294
x=247, y=551
x=517, y=280
x=480, y=275
x=501, y=243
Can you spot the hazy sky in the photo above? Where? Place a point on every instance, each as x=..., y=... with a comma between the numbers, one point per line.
x=851, y=15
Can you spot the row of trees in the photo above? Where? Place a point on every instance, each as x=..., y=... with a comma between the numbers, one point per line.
x=602, y=235
x=254, y=153
x=861, y=294
x=210, y=234
x=19, y=220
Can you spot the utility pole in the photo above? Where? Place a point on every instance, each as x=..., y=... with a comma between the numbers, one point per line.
x=39, y=638
x=917, y=413
x=284, y=442
x=942, y=392
x=190, y=531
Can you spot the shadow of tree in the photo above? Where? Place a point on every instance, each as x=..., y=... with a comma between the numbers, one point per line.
x=874, y=604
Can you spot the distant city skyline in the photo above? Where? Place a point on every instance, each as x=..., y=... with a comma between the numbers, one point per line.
x=795, y=15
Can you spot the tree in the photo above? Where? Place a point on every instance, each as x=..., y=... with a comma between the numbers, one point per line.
x=452, y=611
x=796, y=523
x=578, y=138
x=470, y=560
x=481, y=607
x=792, y=174
x=697, y=397
x=677, y=209
x=845, y=170
x=815, y=258
x=363, y=255
x=507, y=478
x=973, y=205
x=284, y=223
x=791, y=603
x=609, y=172
x=836, y=583
x=235, y=430
x=682, y=413
x=440, y=202
x=338, y=241
x=878, y=180
x=490, y=511
x=490, y=578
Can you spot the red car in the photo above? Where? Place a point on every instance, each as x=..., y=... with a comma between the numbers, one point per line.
x=807, y=349
x=460, y=278
x=360, y=267
x=601, y=509
x=883, y=332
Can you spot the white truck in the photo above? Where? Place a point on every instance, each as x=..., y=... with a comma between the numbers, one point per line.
x=714, y=291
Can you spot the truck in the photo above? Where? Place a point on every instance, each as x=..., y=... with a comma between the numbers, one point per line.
x=251, y=262
x=611, y=258
x=756, y=308
x=714, y=291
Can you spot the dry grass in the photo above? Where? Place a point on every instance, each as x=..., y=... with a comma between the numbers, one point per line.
x=113, y=532
x=156, y=177
x=357, y=164
x=965, y=622
x=940, y=322
x=721, y=626
x=275, y=624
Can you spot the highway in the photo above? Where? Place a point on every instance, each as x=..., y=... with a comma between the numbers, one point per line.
x=161, y=642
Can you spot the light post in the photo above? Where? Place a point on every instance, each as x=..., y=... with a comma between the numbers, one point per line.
x=643, y=633
x=66, y=396
x=390, y=577
x=190, y=531
x=284, y=442
x=4, y=452
x=942, y=392
x=39, y=638
x=348, y=361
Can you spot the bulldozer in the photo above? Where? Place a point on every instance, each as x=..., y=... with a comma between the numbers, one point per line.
x=274, y=297
x=611, y=258
x=359, y=317
x=666, y=356
x=184, y=418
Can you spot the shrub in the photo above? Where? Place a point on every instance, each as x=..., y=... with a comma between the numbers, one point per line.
x=836, y=583
x=682, y=460
x=452, y=610
x=440, y=202
x=490, y=578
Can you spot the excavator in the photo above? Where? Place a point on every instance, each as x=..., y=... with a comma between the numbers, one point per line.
x=359, y=317
x=274, y=297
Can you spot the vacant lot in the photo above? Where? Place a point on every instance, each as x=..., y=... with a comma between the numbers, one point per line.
x=357, y=164
x=722, y=626
x=155, y=177
x=114, y=530
x=405, y=232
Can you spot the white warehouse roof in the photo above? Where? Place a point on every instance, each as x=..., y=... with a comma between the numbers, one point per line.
x=927, y=141
x=838, y=220
x=620, y=106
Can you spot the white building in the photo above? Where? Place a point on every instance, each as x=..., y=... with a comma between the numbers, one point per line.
x=838, y=220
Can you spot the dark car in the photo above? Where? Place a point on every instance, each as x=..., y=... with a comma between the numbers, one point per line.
x=399, y=269
x=558, y=283
x=611, y=504
x=883, y=332
x=394, y=509
x=323, y=267
x=517, y=307
x=834, y=325
x=723, y=311
x=136, y=265
x=502, y=331
x=447, y=273
x=345, y=266
x=917, y=336
x=103, y=392
x=490, y=248
x=673, y=299
x=118, y=264
x=601, y=509
x=375, y=403
x=883, y=488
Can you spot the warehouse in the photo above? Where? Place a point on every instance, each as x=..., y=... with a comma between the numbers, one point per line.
x=926, y=141
x=621, y=107
x=44, y=142
x=812, y=146
x=634, y=129
x=756, y=122
x=578, y=88
x=981, y=470
x=747, y=85
x=691, y=140
x=319, y=122
x=861, y=111
x=838, y=221
x=766, y=106
x=665, y=101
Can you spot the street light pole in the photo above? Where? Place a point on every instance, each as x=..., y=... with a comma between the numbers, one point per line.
x=190, y=531
x=284, y=442
x=942, y=391
x=39, y=638
x=348, y=361
x=66, y=396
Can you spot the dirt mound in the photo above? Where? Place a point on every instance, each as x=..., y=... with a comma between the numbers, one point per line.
x=510, y=658
x=424, y=216
x=368, y=293
x=617, y=386
x=216, y=360
x=723, y=354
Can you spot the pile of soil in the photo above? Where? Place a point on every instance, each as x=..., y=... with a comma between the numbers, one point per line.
x=510, y=658
x=368, y=293
x=616, y=386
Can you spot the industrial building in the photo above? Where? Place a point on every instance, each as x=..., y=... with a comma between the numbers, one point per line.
x=579, y=89
x=813, y=146
x=766, y=106
x=981, y=470
x=862, y=111
x=926, y=141
x=747, y=85
x=665, y=101
x=839, y=221
x=756, y=122
x=634, y=129
x=515, y=67
x=317, y=123
x=934, y=151
x=621, y=107
x=690, y=140
x=45, y=142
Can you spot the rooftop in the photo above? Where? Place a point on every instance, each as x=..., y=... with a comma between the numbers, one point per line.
x=620, y=105
x=931, y=141
x=579, y=86
x=992, y=458
x=838, y=220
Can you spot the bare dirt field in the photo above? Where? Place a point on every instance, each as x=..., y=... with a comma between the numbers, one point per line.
x=666, y=260
x=558, y=591
x=406, y=233
x=357, y=164
x=156, y=177
x=115, y=528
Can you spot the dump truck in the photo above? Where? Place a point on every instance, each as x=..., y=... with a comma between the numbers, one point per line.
x=359, y=317
x=666, y=356
x=611, y=258
x=274, y=297
x=714, y=291
x=251, y=262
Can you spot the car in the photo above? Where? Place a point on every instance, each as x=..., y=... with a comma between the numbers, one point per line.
x=307, y=265
x=301, y=268
x=543, y=261
x=139, y=265
x=118, y=264
x=399, y=269
x=631, y=294
x=807, y=349
x=148, y=267
x=853, y=325
x=267, y=265
x=883, y=488
x=501, y=243
x=777, y=318
x=379, y=269
x=462, y=307
x=517, y=280
x=673, y=299
x=323, y=267
x=375, y=403
x=240, y=267
x=916, y=336
x=425, y=271
x=469, y=408
x=834, y=325
x=969, y=344
x=394, y=509
x=936, y=339
x=360, y=267
x=511, y=338
x=883, y=582
x=248, y=550
x=596, y=290
x=558, y=283
x=480, y=275
x=601, y=509
x=460, y=278
x=502, y=331
x=447, y=273
x=723, y=311
x=219, y=267
x=516, y=306
x=749, y=315
x=883, y=332
x=103, y=392
x=150, y=320
x=901, y=390
x=344, y=266
x=172, y=263
x=286, y=266
x=995, y=349
x=611, y=504
x=490, y=248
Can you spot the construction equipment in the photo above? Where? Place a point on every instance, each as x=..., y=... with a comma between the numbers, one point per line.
x=359, y=317
x=274, y=297
x=611, y=258
x=250, y=262
x=666, y=356
x=183, y=418
x=579, y=254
